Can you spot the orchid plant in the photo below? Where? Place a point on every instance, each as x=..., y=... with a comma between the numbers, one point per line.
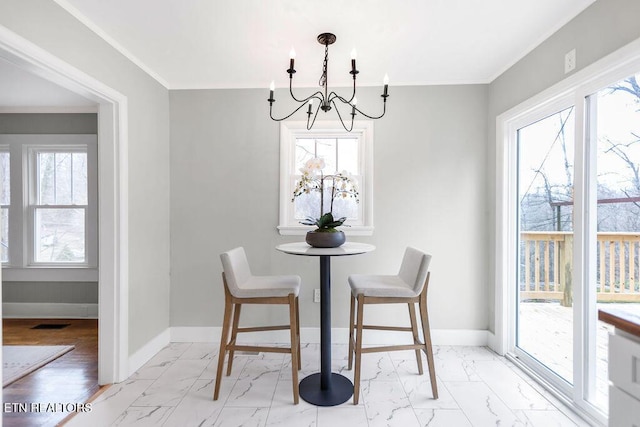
x=337, y=185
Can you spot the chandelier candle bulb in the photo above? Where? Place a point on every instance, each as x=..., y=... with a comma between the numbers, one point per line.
x=310, y=106
x=385, y=81
x=354, y=54
x=292, y=57
x=353, y=106
x=272, y=87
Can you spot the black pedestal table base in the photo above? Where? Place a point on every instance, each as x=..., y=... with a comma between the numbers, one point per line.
x=341, y=390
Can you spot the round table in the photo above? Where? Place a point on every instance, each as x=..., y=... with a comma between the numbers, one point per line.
x=325, y=388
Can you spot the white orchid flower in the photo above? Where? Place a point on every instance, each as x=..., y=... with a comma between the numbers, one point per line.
x=315, y=164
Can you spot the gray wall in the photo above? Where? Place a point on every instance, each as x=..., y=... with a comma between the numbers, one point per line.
x=599, y=30
x=21, y=123
x=54, y=292
x=50, y=27
x=50, y=292
x=429, y=186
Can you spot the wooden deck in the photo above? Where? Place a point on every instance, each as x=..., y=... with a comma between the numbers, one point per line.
x=546, y=333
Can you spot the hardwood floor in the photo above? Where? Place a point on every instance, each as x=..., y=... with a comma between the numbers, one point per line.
x=72, y=378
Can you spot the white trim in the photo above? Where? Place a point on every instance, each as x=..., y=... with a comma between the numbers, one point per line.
x=113, y=204
x=91, y=109
x=72, y=10
x=466, y=337
x=289, y=130
x=150, y=349
x=46, y=310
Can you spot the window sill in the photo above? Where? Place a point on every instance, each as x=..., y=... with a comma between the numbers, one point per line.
x=299, y=230
x=50, y=274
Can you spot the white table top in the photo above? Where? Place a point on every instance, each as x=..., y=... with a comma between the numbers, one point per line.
x=348, y=248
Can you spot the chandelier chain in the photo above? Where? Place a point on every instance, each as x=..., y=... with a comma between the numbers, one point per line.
x=323, y=78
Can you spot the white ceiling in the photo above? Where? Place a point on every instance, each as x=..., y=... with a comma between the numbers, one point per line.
x=192, y=44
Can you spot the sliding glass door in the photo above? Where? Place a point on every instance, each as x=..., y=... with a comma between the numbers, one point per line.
x=616, y=131
x=575, y=206
x=545, y=212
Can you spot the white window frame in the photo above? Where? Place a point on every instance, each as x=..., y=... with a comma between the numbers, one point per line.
x=23, y=175
x=289, y=133
x=4, y=148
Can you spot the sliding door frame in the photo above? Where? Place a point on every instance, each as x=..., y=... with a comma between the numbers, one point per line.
x=575, y=90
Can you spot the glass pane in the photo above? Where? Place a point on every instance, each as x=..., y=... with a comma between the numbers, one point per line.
x=308, y=205
x=59, y=235
x=305, y=150
x=545, y=181
x=46, y=178
x=62, y=178
x=79, y=183
x=618, y=278
x=4, y=242
x=326, y=150
x=5, y=174
x=348, y=155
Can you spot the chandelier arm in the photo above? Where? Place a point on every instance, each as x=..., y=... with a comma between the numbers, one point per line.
x=286, y=117
x=302, y=102
x=340, y=117
x=309, y=126
x=321, y=98
x=384, y=108
x=353, y=94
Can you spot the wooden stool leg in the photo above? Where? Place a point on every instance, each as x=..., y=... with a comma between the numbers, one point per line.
x=293, y=326
x=234, y=335
x=416, y=335
x=226, y=323
x=351, y=320
x=298, y=332
x=427, y=340
x=358, y=345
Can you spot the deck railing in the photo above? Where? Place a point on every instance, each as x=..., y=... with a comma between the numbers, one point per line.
x=546, y=266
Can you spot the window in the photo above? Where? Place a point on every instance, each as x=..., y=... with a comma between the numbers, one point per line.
x=49, y=204
x=349, y=153
x=58, y=206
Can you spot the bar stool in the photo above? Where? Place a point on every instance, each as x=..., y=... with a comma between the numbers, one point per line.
x=241, y=287
x=409, y=286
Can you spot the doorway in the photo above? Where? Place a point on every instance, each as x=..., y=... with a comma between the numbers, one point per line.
x=113, y=209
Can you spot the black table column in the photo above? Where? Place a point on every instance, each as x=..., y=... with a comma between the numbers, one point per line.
x=325, y=388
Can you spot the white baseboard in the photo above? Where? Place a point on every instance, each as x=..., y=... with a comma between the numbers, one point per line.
x=338, y=336
x=150, y=349
x=494, y=344
x=33, y=310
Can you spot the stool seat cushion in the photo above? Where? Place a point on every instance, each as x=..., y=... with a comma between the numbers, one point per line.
x=380, y=286
x=268, y=286
x=243, y=284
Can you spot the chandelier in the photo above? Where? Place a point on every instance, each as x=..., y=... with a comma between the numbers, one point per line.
x=326, y=100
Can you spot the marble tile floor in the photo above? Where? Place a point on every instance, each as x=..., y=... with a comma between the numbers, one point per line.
x=476, y=387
